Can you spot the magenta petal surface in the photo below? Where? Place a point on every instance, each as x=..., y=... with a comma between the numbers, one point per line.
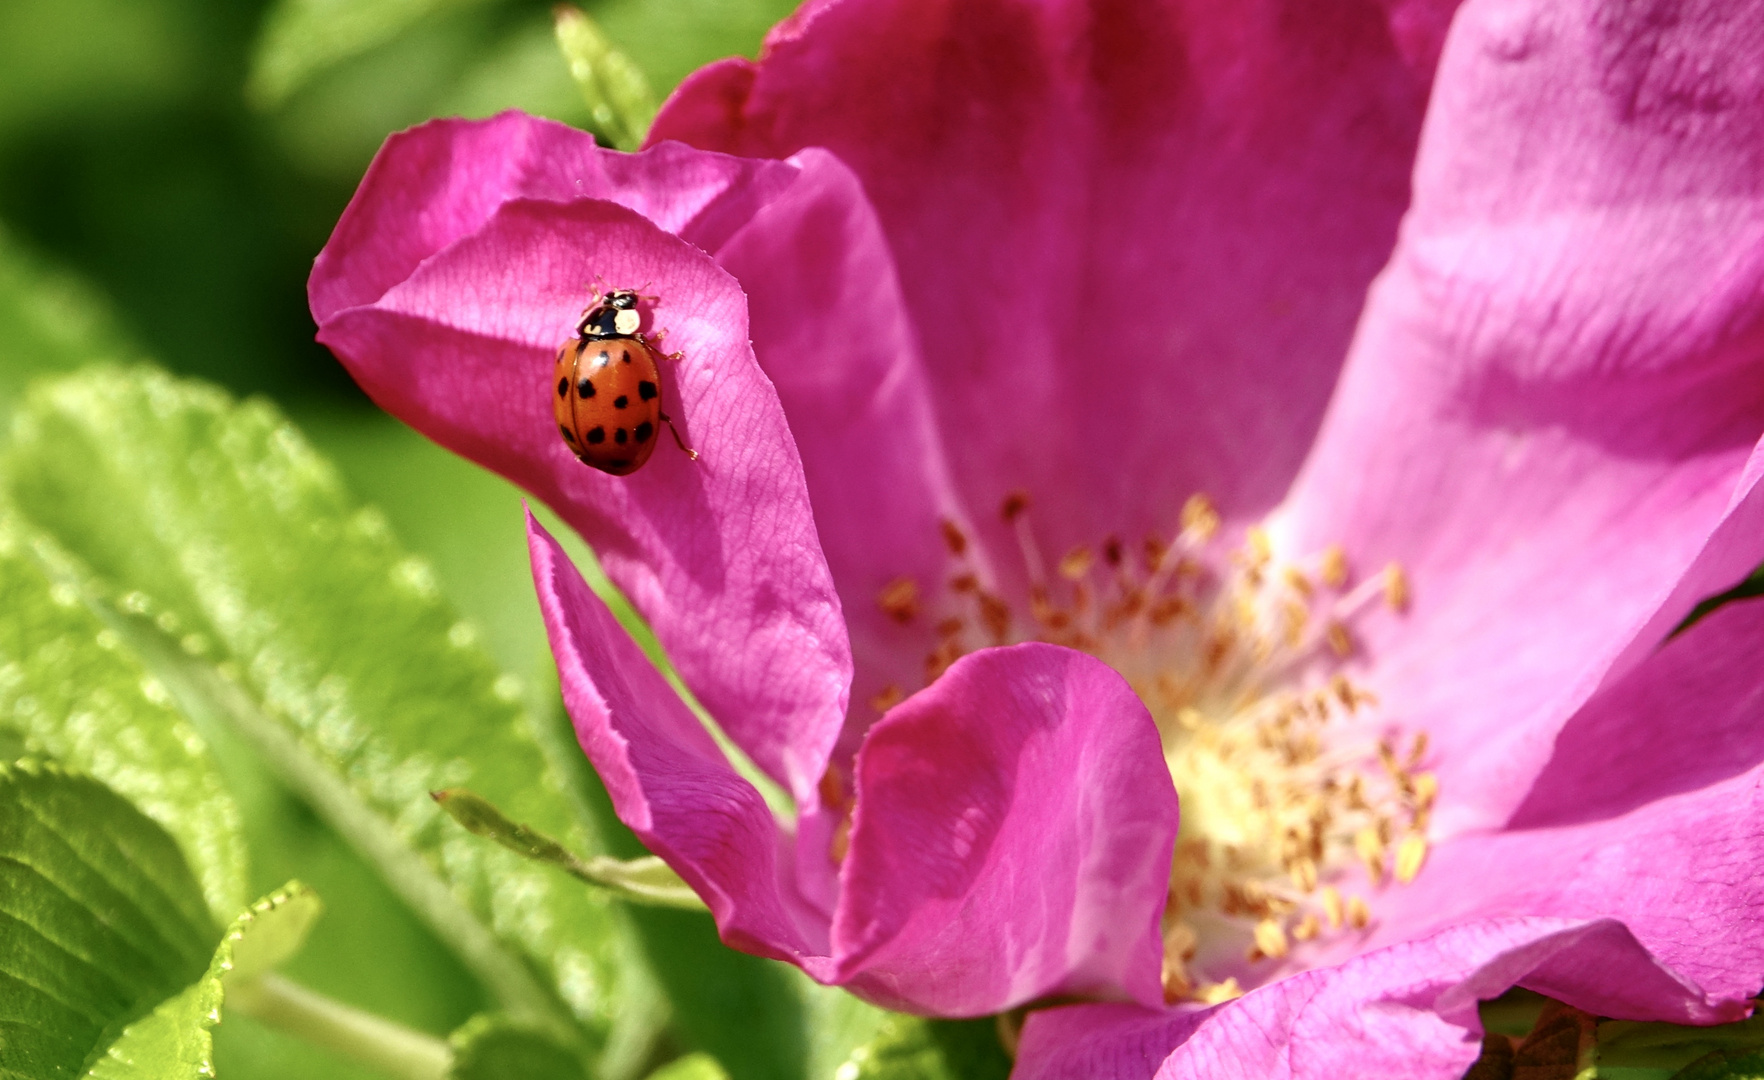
x=832, y=331
x=1405, y=1011
x=1650, y=811
x=1555, y=389
x=668, y=781
x=1012, y=839
x=1134, y=237
x=464, y=261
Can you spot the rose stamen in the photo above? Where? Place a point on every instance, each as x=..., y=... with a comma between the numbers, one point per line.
x=1238, y=653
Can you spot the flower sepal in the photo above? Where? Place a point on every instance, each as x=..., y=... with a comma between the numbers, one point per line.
x=647, y=880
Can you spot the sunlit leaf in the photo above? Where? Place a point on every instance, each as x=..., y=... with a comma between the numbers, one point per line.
x=270, y=604
x=493, y=1048
x=174, y=1040
x=102, y=919
x=70, y=690
x=620, y=103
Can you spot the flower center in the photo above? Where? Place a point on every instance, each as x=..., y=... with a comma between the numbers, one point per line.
x=1288, y=781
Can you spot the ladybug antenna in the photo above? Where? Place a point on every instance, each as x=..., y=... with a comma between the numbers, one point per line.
x=641, y=294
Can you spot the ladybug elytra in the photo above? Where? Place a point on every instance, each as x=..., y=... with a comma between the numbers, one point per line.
x=607, y=388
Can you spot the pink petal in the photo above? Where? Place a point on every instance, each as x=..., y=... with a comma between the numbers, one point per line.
x=1407, y=1011
x=1012, y=839
x=1555, y=388
x=460, y=345
x=1133, y=238
x=832, y=332
x=668, y=781
x=1651, y=811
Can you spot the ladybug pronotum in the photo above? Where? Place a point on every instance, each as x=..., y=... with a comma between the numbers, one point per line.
x=606, y=388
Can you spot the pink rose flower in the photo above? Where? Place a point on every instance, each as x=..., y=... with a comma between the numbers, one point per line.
x=1327, y=412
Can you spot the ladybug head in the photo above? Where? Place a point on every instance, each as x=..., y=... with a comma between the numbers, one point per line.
x=614, y=316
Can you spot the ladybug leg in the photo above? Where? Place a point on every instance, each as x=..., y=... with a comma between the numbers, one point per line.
x=681, y=443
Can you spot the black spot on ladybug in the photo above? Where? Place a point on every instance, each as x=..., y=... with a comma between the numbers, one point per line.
x=619, y=436
x=621, y=401
x=625, y=356
x=646, y=390
x=584, y=387
x=603, y=358
x=644, y=430
x=570, y=436
x=563, y=387
x=597, y=436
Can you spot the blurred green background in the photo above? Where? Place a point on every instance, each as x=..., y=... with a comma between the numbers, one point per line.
x=169, y=168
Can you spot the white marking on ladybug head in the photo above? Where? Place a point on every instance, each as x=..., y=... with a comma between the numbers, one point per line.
x=627, y=321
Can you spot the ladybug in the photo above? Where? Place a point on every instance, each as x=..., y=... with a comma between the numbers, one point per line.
x=607, y=388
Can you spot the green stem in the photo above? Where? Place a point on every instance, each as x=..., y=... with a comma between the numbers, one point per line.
x=378, y=1043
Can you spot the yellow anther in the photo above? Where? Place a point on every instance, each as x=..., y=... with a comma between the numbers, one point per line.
x=1257, y=546
x=1180, y=941
x=950, y=627
x=953, y=537
x=1334, y=570
x=1340, y=643
x=1358, y=914
x=1154, y=553
x=888, y=698
x=1426, y=789
x=963, y=583
x=1411, y=853
x=1271, y=939
x=1199, y=519
x=1219, y=993
x=1297, y=581
x=1418, y=749
x=1396, y=587
x=1370, y=848
x=1304, y=874
x=1177, y=985
x=1307, y=928
x=997, y=616
x=1077, y=563
x=1332, y=910
x=1014, y=504
x=900, y=599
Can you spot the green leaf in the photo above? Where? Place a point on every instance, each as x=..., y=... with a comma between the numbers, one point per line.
x=1634, y=1050
x=173, y=1040
x=304, y=37
x=913, y=1048
x=620, y=103
x=271, y=604
x=102, y=918
x=1725, y=1065
x=68, y=689
x=494, y=1048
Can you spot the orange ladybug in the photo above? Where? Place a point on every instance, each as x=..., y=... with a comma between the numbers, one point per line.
x=607, y=387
